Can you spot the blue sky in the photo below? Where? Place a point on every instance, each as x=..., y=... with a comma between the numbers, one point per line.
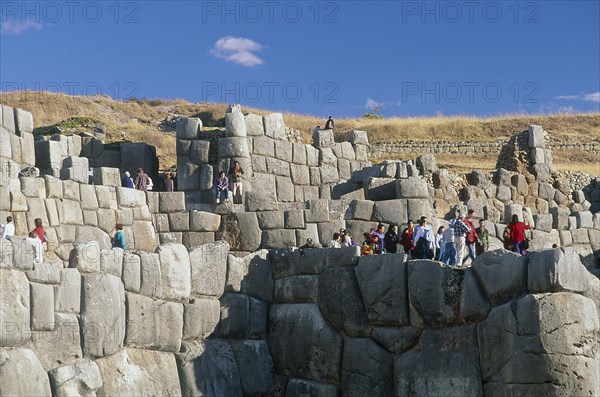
x=315, y=57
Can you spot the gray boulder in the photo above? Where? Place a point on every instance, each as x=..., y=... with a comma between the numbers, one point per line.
x=209, y=268
x=208, y=368
x=174, y=271
x=502, y=275
x=15, y=365
x=257, y=374
x=14, y=309
x=137, y=372
x=446, y=359
x=188, y=128
x=200, y=317
x=426, y=164
x=242, y=317
x=390, y=211
x=80, y=379
x=367, y=368
x=382, y=280
x=251, y=275
x=554, y=270
x=340, y=301
x=102, y=315
x=297, y=289
x=413, y=187
x=397, y=339
x=303, y=344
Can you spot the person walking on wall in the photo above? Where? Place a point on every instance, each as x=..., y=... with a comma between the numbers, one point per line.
x=517, y=234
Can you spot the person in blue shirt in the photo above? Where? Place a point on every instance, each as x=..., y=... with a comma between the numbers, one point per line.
x=127, y=181
x=119, y=238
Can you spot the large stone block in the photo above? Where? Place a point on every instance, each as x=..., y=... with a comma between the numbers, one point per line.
x=188, y=175
x=256, y=368
x=233, y=147
x=303, y=344
x=543, y=334
x=254, y=125
x=274, y=126
x=137, y=372
x=208, y=367
x=340, y=301
x=61, y=345
x=278, y=238
x=107, y=176
x=261, y=201
x=175, y=271
x=383, y=282
x=47, y=155
x=242, y=317
x=329, y=173
x=367, y=368
x=318, y=211
x=102, y=315
x=171, y=202
x=79, y=379
x=200, y=317
x=146, y=238
x=413, y=187
x=554, y=270
x=297, y=289
x=447, y=362
x=391, y=211
x=536, y=136
x=358, y=137
x=323, y=138
x=502, y=275
x=209, y=268
x=188, y=128
x=251, y=275
x=264, y=146
x=380, y=188
x=22, y=374
x=15, y=329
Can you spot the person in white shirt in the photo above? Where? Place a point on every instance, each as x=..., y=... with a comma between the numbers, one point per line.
x=336, y=242
x=9, y=228
x=37, y=246
x=423, y=249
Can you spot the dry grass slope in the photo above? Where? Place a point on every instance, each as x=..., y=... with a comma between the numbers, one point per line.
x=142, y=120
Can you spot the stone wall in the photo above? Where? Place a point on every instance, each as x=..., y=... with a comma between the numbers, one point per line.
x=227, y=318
x=273, y=163
x=319, y=322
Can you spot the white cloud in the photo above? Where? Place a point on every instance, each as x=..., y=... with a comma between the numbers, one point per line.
x=593, y=97
x=17, y=28
x=370, y=104
x=238, y=50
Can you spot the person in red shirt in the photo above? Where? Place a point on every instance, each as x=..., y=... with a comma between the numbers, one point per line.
x=39, y=230
x=517, y=234
x=471, y=236
x=406, y=238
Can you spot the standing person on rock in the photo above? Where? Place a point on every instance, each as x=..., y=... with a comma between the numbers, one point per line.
x=141, y=180
x=169, y=183
x=472, y=237
x=423, y=240
x=380, y=233
x=517, y=234
x=329, y=123
x=460, y=233
x=406, y=238
x=390, y=240
x=484, y=238
x=235, y=177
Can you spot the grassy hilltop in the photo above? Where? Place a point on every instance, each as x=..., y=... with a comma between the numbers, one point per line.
x=149, y=121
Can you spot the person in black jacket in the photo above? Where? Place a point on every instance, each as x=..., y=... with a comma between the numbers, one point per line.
x=329, y=123
x=391, y=240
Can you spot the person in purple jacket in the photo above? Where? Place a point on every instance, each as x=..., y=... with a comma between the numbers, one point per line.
x=222, y=187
